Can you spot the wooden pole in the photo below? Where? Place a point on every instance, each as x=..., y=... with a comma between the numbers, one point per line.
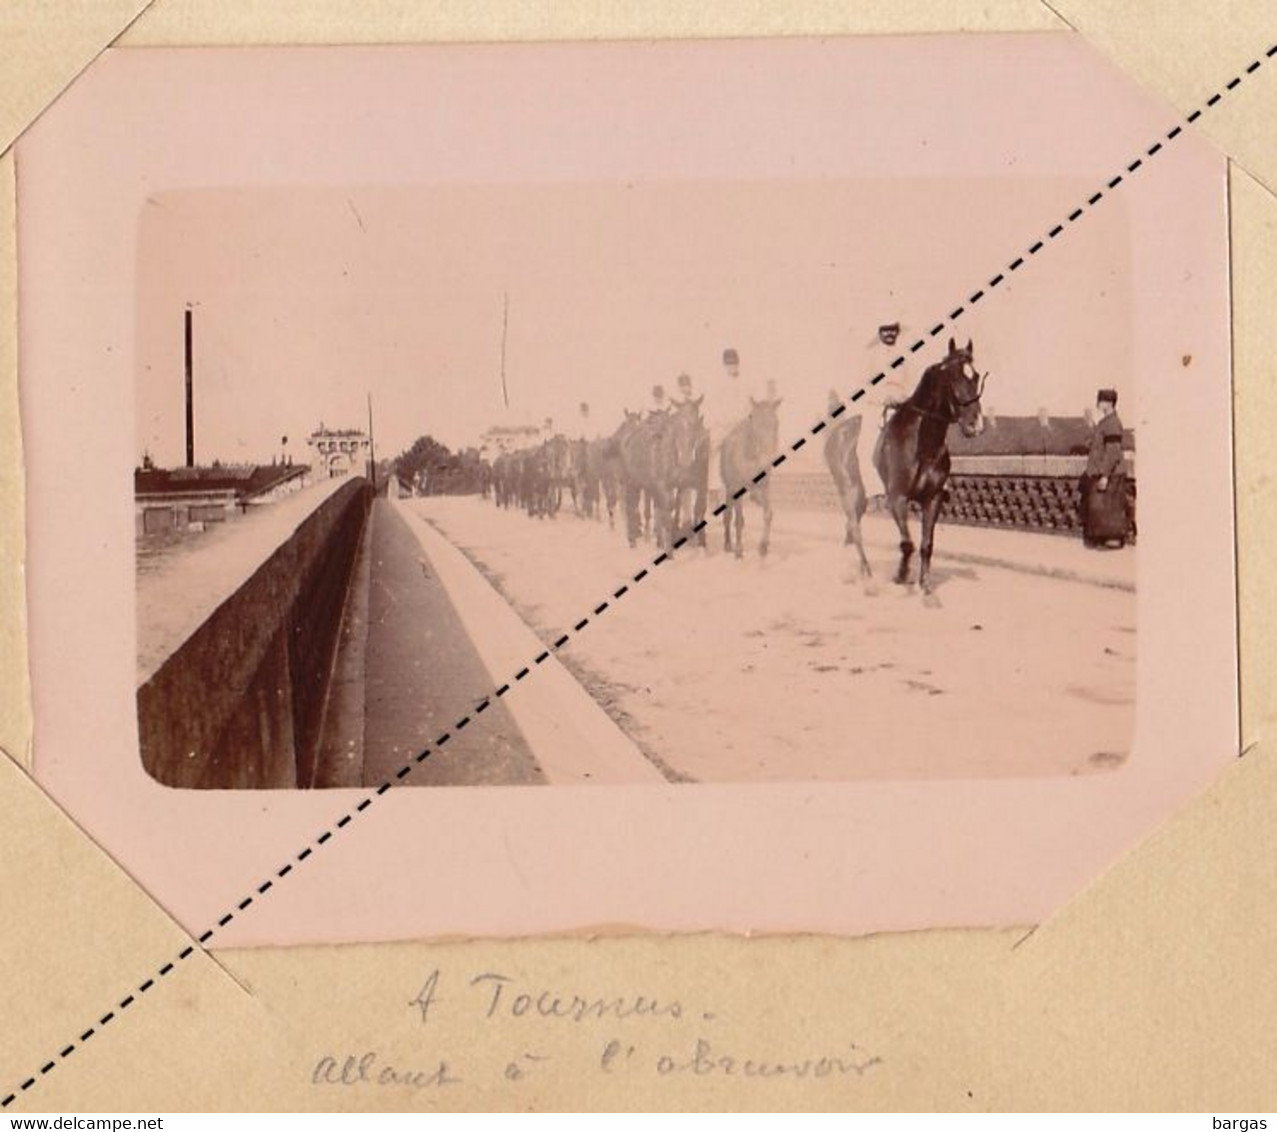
x=372, y=448
x=190, y=393
x=505, y=323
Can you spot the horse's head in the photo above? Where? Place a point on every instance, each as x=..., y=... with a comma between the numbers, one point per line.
x=687, y=430
x=657, y=422
x=764, y=422
x=964, y=388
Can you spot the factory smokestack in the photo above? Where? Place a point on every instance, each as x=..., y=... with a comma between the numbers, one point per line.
x=190, y=396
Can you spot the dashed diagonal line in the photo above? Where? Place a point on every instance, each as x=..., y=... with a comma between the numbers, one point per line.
x=1034, y=249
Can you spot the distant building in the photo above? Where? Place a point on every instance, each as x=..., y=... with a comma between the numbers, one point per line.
x=169, y=499
x=1040, y=435
x=500, y=439
x=340, y=451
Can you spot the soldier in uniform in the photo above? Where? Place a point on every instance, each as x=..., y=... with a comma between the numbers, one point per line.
x=1103, y=484
x=880, y=399
x=659, y=402
x=729, y=400
x=589, y=429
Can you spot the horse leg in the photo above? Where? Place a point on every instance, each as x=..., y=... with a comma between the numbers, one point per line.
x=658, y=510
x=738, y=512
x=900, y=512
x=930, y=512
x=664, y=506
x=852, y=497
x=698, y=516
x=764, y=496
x=683, y=516
x=632, y=514
x=854, y=535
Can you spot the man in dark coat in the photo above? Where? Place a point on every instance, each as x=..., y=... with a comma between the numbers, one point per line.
x=1105, y=468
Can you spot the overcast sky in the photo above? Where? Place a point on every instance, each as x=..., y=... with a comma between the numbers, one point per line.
x=308, y=300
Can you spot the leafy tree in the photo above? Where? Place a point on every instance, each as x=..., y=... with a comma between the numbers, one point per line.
x=431, y=466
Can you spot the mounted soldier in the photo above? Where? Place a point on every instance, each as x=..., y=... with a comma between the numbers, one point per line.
x=881, y=398
x=660, y=402
x=685, y=391
x=729, y=400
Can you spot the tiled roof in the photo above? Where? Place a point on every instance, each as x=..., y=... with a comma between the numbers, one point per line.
x=245, y=480
x=1029, y=436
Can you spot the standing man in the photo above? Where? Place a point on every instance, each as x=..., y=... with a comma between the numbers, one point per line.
x=1103, y=484
x=685, y=392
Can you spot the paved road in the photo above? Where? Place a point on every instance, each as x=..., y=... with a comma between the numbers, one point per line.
x=777, y=670
x=423, y=673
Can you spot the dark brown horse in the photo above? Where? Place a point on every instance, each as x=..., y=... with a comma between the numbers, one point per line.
x=841, y=455
x=747, y=449
x=689, y=475
x=913, y=453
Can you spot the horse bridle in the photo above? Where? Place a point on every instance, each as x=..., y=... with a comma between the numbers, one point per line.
x=961, y=404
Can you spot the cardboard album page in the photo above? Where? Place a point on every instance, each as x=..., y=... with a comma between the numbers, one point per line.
x=741, y=530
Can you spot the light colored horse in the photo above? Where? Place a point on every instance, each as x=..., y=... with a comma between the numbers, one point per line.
x=689, y=474
x=747, y=450
x=841, y=442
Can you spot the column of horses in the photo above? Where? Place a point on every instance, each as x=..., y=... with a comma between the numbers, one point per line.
x=656, y=466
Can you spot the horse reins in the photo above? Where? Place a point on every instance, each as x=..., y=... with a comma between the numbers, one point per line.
x=956, y=402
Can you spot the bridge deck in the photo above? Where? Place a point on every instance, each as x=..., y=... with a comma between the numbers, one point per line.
x=727, y=671
x=421, y=671
x=427, y=639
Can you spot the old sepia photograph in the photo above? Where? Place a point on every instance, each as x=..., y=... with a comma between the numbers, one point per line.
x=380, y=430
